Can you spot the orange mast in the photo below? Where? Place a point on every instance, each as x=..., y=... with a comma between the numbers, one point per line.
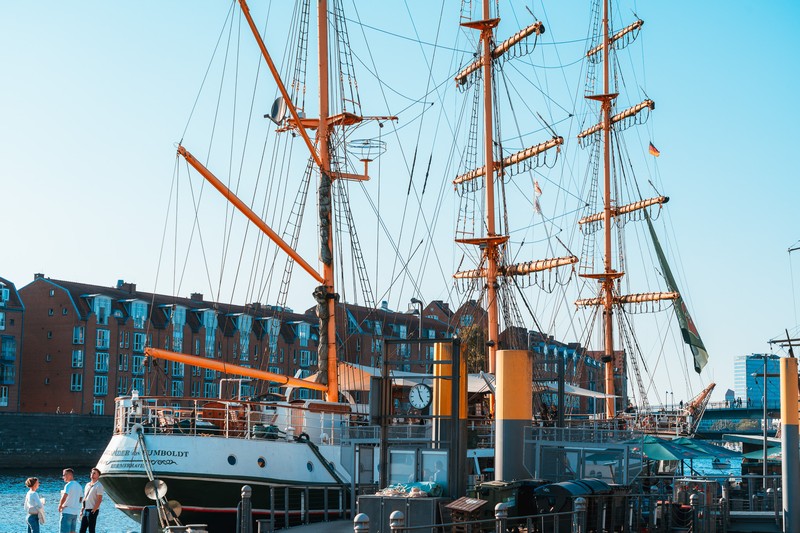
x=492, y=244
x=608, y=277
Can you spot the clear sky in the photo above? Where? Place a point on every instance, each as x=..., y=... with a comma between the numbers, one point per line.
x=95, y=95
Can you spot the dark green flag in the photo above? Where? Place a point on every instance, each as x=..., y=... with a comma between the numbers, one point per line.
x=688, y=329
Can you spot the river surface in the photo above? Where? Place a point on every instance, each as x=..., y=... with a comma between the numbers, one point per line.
x=12, y=496
x=111, y=520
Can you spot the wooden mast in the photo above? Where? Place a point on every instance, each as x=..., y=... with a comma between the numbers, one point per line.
x=608, y=281
x=492, y=243
x=326, y=295
x=610, y=212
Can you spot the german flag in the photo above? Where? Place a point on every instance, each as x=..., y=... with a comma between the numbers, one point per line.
x=654, y=151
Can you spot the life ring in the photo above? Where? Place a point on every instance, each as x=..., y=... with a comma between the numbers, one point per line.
x=136, y=429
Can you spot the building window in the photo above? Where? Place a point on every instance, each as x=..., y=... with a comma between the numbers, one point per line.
x=466, y=320
x=78, y=335
x=122, y=385
x=3, y=396
x=8, y=348
x=137, y=384
x=64, y=311
x=101, y=362
x=98, y=407
x=102, y=308
x=48, y=358
x=196, y=389
x=2, y=321
x=51, y=312
x=177, y=389
x=177, y=370
x=76, y=383
x=103, y=339
x=52, y=293
x=49, y=334
x=303, y=333
x=210, y=390
x=77, y=358
x=138, y=342
x=4, y=293
x=139, y=314
x=196, y=371
x=122, y=364
x=138, y=365
x=197, y=346
x=210, y=374
x=100, y=385
x=305, y=357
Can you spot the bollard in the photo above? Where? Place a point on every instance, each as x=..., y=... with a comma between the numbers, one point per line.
x=361, y=523
x=579, y=516
x=245, y=511
x=694, y=501
x=397, y=521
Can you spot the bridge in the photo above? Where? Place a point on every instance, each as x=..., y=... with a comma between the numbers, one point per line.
x=720, y=418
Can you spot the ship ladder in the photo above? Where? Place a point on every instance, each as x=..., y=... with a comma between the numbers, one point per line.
x=166, y=516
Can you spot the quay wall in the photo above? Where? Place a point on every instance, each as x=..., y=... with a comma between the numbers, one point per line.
x=52, y=440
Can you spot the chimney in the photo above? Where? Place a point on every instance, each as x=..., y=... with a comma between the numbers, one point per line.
x=38, y=276
x=197, y=296
x=130, y=288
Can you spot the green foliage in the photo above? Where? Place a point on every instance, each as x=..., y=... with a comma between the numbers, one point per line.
x=473, y=347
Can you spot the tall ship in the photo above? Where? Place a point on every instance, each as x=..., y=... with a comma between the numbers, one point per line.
x=308, y=444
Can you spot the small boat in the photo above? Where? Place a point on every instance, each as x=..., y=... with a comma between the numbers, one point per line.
x=720, y=464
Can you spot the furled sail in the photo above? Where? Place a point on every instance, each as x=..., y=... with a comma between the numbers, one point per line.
x=688, y=329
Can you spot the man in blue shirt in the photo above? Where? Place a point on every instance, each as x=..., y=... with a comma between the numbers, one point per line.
x=70, y=504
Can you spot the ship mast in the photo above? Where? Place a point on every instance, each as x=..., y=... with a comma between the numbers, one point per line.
x=492, y=245
x=608, y=278
x=325, y=294
x=320, y=152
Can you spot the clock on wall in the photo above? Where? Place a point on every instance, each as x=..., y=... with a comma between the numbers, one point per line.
x=419, y=396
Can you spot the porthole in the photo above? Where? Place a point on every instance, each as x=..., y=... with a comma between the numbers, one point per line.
x=262, y=462
x=231, y=460
x=310, y=466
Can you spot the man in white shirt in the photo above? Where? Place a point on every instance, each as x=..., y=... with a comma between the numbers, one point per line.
x=92, y=496
x=70, y=504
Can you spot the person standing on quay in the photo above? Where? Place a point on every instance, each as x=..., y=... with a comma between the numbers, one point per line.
x=92, y=496
x=33, y=505
x=70, y=504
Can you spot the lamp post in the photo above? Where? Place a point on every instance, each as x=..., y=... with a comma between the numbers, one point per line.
x=765, y=375
x=418, y=303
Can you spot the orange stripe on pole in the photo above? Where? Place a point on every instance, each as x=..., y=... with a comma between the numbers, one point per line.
x=789, y=391
x=249, y=213
x=221, y=366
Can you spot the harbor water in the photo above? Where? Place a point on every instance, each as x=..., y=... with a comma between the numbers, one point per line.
x=112, y=520
x=12, y=495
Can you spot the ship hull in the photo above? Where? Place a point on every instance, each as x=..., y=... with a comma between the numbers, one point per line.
x=205, y=475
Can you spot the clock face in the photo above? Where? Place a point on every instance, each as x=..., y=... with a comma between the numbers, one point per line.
x=420, y=396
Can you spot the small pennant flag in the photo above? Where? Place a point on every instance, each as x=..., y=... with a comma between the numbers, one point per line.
x=537, y=192
x=654, y=151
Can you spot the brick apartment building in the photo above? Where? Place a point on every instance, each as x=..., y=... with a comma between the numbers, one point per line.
x=84, y=344
x=12, y=314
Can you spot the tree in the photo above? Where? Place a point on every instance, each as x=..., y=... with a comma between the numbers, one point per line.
x=473, y=347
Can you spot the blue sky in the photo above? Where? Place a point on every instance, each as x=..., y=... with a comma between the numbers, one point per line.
x=95, y=95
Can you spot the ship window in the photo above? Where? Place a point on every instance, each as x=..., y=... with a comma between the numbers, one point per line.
x=310, y=466
x=262, y=462
x=231, y=460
